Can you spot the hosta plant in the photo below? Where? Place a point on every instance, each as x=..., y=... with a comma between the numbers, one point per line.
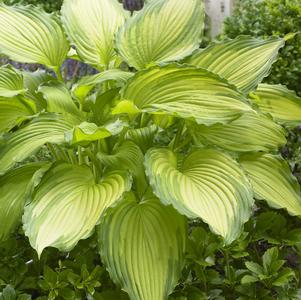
x=163, y=134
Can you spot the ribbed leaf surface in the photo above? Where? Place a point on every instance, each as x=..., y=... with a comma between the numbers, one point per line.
x=87, y=132
x=11, y=82
x=127, y=156
x=143, y=137
x=67, y=204
x=164, y=31
x=91, y=25
x=184, y=91
x=250, y=132
x=58, y=98
x=143, y=246
x=273, y=181
x=244, y=61
x=284, y=105
x=48, y=128
x=82, y=88
x=208, y=184
x=30, y=35
x=14, y=111
x=13, y=186
x=32, y=81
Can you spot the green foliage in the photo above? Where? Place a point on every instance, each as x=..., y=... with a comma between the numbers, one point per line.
x=164, y=135
x=261, y=18
x=77, y=275
x=262, y=264
x=49, y=6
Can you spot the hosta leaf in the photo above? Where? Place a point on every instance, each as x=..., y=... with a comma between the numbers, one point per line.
x=127, y=156
x=47, y=128
x=82, y=88
x=67, y=204
x=87, y=132
x=11, y=81
x=250, y=132
x=163, y=121
x=273, y=181
x=184, y=91
x=164, y=31
x=101, y=106
x=12, y=197
x=58, y=98
x=91, y=26
x=244, y=61
x=30, y=35
x=284, y=105
x=143, y=137
x=13, y=112
x=207, y=184
x=143, y=246
x=32, y=81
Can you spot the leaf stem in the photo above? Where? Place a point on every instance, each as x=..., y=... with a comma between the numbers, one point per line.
x=58, y=74
x=96, y=165
x=79, y=155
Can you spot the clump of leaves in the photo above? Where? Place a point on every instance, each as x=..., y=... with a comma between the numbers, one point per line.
x=163, y=134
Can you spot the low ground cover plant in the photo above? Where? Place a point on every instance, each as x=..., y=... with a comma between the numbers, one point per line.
x=166, y=138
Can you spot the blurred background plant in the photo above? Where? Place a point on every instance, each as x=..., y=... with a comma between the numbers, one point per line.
x=49, y=6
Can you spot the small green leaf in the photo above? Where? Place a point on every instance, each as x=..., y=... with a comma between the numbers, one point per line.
x=284, y=277
x=143, y=137
x=102, y=105
x=50, y=276
x=127, y=156
x=125, y=107
x=32, y=81
x=248, y=279
x=86, y=132
x=58, y=98
x=254, y=268
x=270, y=261
x=82, y=88
x=67, y=294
